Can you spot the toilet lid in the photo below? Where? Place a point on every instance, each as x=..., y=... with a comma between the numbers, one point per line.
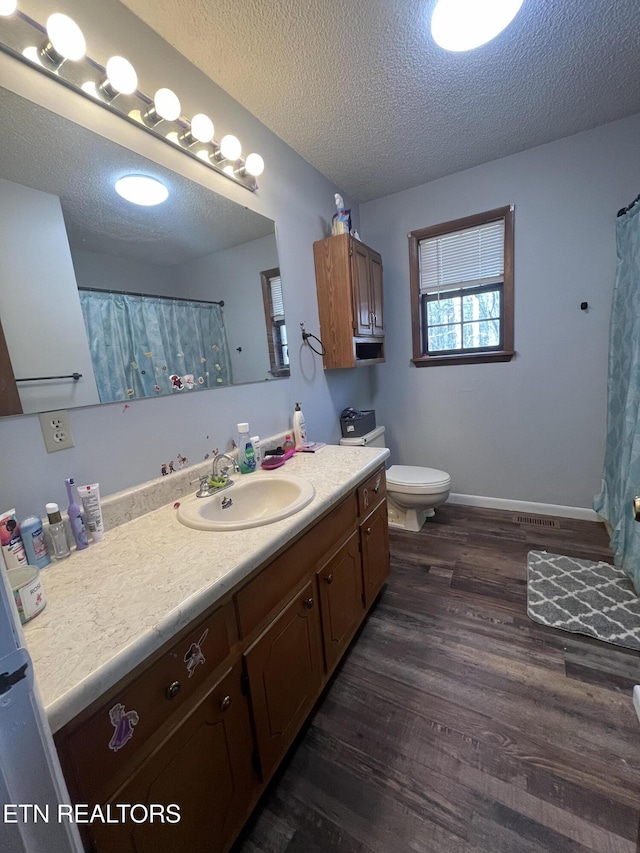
x=417, y=477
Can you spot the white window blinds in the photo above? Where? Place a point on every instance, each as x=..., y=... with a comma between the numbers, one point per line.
x=466, y=258
x=277, y=302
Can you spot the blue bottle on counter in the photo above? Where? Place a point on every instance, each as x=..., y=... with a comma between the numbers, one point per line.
x=246, y=452
x=33, y=541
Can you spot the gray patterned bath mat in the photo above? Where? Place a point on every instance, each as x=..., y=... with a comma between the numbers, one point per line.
x=583, y=597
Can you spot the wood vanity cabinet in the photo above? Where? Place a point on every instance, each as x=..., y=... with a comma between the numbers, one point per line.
x=350, y=301
x=207, y=732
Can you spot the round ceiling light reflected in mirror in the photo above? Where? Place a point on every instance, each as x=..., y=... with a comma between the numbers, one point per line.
x=142, y=190
x=459, y=25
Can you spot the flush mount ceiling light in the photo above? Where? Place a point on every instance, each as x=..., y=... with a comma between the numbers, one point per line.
x=114, y=87
x=460, y=25
x=65, y=40
x=141, y=189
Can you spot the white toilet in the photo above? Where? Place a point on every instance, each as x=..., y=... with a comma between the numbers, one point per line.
x=413, y=492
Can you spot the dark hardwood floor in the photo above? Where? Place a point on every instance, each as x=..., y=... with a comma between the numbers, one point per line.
x=457, y=724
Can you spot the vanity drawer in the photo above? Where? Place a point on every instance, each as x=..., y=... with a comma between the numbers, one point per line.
x=371, y=492
x=274, y=583
x=108, y=740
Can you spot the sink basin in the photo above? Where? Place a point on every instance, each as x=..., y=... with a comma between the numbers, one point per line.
x=255, y=500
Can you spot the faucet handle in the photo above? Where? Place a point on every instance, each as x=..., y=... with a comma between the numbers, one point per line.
x=204, y=490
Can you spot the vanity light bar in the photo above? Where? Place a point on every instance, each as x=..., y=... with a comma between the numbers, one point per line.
x=57, y=50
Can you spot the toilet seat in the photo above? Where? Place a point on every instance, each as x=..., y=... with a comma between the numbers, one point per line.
x=415, y=480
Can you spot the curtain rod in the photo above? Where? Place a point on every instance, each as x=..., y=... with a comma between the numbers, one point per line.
x=153, y=296
x=626, y=209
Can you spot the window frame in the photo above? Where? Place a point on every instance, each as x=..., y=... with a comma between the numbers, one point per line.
x=274, y=335
x=506, y=353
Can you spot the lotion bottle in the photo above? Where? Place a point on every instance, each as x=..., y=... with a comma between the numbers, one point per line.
x=299, y=427
x=75, y=518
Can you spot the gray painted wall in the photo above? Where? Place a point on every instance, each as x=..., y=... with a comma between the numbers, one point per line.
x=119, y=447
x=532, y=429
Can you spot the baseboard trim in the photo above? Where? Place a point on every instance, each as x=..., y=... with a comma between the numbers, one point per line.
x=636, y=699
x=581, y=513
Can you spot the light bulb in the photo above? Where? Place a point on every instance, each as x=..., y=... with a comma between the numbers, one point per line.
x=202, y=128
x=8, y=7
x=229, y=170
x=166, y=104
x=230, y=147
x=459, y=25
x=32, y=54
x=254, y=165
x=141, y=189
x=66, y=37
x=121, y=76
x=90, y=88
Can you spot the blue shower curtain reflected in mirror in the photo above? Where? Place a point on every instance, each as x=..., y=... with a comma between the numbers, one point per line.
x=621, y=476
x=148, y=346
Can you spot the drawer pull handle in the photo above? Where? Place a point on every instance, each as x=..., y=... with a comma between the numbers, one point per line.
x=329, y=578
x=226, y=703
x=172, y=690
x=308, y=603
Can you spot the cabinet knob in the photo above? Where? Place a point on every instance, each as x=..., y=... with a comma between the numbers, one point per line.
x=368, y=531
x=376, y=488
x=329, y=579
x=308, y=603
x=226, y=703
x=172, y=690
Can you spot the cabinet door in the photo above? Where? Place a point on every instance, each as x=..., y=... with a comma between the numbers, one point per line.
x=341, y=600
x=374, y=534
x=284, y=667
x=205, y=768
x=376, y=296
x=360, y=274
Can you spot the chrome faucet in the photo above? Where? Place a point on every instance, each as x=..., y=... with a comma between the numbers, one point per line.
x=220, y=471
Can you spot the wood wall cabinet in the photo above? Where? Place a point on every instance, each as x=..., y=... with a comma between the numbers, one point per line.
x=350, y=301
x=205, y=728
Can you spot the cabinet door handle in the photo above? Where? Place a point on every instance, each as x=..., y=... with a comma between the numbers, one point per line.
x=308, y=603
x=172, y=690
x=226, y=703
x=329, y=579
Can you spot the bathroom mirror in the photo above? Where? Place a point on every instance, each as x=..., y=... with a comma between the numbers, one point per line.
x=65, y=227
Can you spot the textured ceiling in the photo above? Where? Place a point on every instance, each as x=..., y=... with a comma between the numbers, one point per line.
x=358, y=88
x=46, y=152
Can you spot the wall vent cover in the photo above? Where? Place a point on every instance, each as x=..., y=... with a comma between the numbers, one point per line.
x=538, y=521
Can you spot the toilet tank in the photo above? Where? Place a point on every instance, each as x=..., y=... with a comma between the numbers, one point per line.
x=375, y=438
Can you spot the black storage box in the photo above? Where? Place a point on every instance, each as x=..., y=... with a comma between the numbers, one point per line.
x=355, y=424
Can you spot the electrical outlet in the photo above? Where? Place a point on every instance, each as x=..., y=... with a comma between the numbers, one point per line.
x=56, y=430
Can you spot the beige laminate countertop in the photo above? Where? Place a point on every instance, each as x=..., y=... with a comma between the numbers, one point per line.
x=111, y=606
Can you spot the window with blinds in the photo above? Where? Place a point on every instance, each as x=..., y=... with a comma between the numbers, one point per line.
x=463, y=284
x=276, y=328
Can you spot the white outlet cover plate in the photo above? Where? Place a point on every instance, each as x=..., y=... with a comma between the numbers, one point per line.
x=56, y=430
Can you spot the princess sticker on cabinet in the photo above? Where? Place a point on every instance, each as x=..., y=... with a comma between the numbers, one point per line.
x=123, y=723
x=194, y=654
